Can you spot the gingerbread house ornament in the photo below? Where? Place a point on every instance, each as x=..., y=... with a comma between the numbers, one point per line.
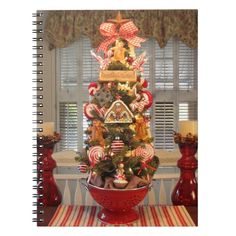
x=118, y=113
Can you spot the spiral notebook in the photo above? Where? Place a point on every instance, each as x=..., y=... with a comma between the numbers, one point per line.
x=110, y=87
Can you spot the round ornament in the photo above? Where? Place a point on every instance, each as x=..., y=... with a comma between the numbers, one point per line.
x=82, y=167
x=146, y=152
x=117, y=145
x=96, y=154
x=93, y=88
x=147, y=98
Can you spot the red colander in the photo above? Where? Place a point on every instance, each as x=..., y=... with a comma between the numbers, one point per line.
x=118, y=204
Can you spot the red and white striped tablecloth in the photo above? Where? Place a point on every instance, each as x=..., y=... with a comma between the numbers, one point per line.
x=151, y=215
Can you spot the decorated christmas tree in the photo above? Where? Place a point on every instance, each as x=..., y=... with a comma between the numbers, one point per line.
x=119, y=151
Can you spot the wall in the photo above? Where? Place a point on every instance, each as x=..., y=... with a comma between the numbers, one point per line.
x=48, y=76
x=48, y=84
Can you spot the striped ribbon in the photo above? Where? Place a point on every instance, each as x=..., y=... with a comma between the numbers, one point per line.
x=151, y=215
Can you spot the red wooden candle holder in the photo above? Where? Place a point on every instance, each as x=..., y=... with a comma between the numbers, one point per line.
x=186, y=189
x=47, y=188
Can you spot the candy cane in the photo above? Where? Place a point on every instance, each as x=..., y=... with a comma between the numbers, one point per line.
x=138, y=106
x=143, y=82
x=139, y=61
x=147, y=98
x=103, y=62
x=102, y=111
x=93, y=88
x=89, y=108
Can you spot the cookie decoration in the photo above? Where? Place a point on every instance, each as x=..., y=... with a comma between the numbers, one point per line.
x=118, y=113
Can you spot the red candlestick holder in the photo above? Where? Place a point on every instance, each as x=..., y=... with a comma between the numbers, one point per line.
x=47, y=188
x=186, y=189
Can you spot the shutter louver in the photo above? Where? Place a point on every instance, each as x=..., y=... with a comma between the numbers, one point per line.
x=69, y=66
x=68, y=125
x=164, y=66
x=89, y=64
x=164, y=125
x=187, y=67
x=188, y=111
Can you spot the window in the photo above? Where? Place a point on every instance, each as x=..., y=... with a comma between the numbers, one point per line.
x=75, y=70
x=172, y=76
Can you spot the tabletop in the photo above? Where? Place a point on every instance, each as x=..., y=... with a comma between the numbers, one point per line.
x=157, y=216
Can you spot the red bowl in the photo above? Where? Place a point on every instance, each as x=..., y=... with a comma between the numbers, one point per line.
x=118, y=203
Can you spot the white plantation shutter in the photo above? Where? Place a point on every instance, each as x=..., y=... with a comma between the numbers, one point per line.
x=170, y=71
x=68, y=70
x=75, y=69
x=188, y=111
x=164, y=66
x=174, y=88
x=164, y=125
x=90, y=73
x=187, y=61
x=68, y=125
x=68, y=64
x=90, y=66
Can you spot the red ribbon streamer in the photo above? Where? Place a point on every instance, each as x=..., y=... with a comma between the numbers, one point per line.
x=127, y=31
x=145, y=165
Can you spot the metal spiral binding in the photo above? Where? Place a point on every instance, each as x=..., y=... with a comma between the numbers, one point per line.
x=37, y=113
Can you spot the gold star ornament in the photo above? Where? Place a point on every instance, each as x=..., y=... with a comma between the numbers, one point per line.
x=118, y=20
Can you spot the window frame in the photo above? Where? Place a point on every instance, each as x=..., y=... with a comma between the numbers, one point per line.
x=80, y=93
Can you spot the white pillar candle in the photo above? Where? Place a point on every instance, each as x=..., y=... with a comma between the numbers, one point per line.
x=48, y=128
x=189, y=126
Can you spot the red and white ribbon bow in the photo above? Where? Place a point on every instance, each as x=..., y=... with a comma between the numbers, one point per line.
x=145, y=165
x=127, y=31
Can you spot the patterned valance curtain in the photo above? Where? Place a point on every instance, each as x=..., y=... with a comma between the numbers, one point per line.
x=64, y=27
